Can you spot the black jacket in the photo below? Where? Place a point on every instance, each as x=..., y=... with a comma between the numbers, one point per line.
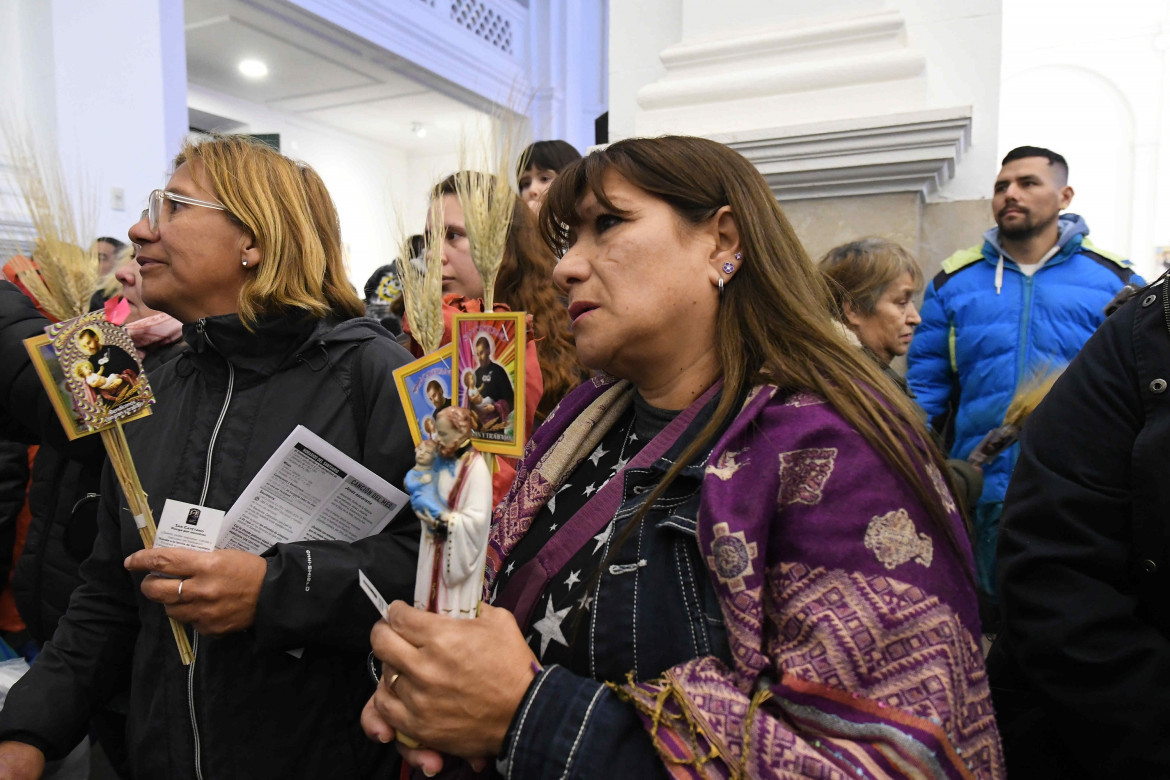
x=1081, y=670
x=222, y=409
x=65, y=473
x=64, y=492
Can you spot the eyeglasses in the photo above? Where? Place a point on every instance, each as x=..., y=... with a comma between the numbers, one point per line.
x=153, y=211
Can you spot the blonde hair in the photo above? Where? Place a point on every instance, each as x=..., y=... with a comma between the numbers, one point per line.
x=285, y=206
x=860, y=271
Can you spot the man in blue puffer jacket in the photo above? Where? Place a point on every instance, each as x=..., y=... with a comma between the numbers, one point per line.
x=996, y=316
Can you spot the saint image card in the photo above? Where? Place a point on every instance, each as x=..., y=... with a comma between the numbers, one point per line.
x=489, y=375
x=425, y=387
x=91, y=372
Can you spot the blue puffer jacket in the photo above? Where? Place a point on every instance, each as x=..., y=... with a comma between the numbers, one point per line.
x=987, y=327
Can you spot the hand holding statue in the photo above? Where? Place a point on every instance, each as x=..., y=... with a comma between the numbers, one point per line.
x=453, y=686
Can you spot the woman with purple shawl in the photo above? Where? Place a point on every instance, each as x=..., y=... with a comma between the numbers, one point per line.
x=732, y=554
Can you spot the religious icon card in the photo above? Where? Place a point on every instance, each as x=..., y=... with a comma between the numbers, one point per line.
x=424, y=387
x=489, y=375
x=92, y=373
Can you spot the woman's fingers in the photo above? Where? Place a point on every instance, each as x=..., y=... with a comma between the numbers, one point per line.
x=392, y=649
x=416, y=626
x=429, y=761
x=460, y=680
x=220, y=589
x=374, y=725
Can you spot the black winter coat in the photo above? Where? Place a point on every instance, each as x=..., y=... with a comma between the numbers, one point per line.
x=63, y=496
x=1081, y=671
x=246, y=708
x=63, y=523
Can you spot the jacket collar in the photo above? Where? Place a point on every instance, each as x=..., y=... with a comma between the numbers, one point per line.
x=1073, y=230
x=269, y=346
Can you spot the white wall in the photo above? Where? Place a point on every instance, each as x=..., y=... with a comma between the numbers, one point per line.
x=113, y=104
x=1093, y=83
x=743, y=66
x=961, y=41
x=637, y=33
x=568, y=68
x=368, y=181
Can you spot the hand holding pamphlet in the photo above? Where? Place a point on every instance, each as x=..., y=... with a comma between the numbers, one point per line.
x=308, y=490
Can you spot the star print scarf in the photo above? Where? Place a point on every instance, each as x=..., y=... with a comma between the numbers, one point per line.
x=579, y=436
x=853, y=630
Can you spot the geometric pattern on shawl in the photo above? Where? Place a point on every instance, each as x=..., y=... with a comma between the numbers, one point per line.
x=834, y=673
x=803, y=474
x=835, y=704
x=893, y=643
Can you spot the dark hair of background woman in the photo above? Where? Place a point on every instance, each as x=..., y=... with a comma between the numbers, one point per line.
x=547, y=156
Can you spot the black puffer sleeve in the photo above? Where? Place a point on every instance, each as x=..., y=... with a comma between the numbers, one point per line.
x=1073, y=615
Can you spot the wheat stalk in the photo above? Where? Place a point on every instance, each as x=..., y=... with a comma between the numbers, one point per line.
x=118, y=450
x=67, y=273
x=422, y=288
x=487, y=199
x=1028, y=396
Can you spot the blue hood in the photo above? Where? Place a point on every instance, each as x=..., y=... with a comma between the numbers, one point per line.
x=1071, y=226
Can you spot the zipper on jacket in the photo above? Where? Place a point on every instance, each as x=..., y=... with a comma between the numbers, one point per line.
x=1022, y=358
x=1025, y=324
x=227, y=399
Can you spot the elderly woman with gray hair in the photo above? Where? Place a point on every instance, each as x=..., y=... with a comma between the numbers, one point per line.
x=874, y=283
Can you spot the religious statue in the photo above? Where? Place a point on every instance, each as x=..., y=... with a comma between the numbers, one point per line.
x=451, y=492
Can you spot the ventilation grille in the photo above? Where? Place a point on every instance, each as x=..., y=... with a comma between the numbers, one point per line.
x=488, y=25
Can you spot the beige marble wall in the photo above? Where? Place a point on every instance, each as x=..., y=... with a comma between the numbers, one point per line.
x=823, y=223
x=951, y=226
x=932, y=231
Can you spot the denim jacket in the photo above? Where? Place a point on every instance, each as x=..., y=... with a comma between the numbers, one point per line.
x=653, y=607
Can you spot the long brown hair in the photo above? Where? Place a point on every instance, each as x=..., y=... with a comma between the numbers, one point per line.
x=288, y=210
x=774, y=324
x=525, y=284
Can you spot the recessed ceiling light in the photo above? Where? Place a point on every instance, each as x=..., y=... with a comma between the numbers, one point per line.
x=419, y=129
x=253, y=69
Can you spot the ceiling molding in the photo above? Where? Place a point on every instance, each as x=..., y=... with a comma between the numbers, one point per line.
x=320, y=101
x=908, y=152
x=863, y=49
x=476, y=66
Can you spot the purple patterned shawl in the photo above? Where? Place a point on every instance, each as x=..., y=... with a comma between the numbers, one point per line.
x=853, y=631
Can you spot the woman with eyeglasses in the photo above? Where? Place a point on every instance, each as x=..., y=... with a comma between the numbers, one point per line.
x=243, y=247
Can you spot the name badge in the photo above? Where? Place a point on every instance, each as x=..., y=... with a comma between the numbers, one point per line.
x=189, y=526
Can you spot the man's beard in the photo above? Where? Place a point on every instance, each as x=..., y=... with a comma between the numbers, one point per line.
x=1022, y=230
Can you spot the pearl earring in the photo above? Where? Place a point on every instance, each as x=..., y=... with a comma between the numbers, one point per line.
x=244, y=263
